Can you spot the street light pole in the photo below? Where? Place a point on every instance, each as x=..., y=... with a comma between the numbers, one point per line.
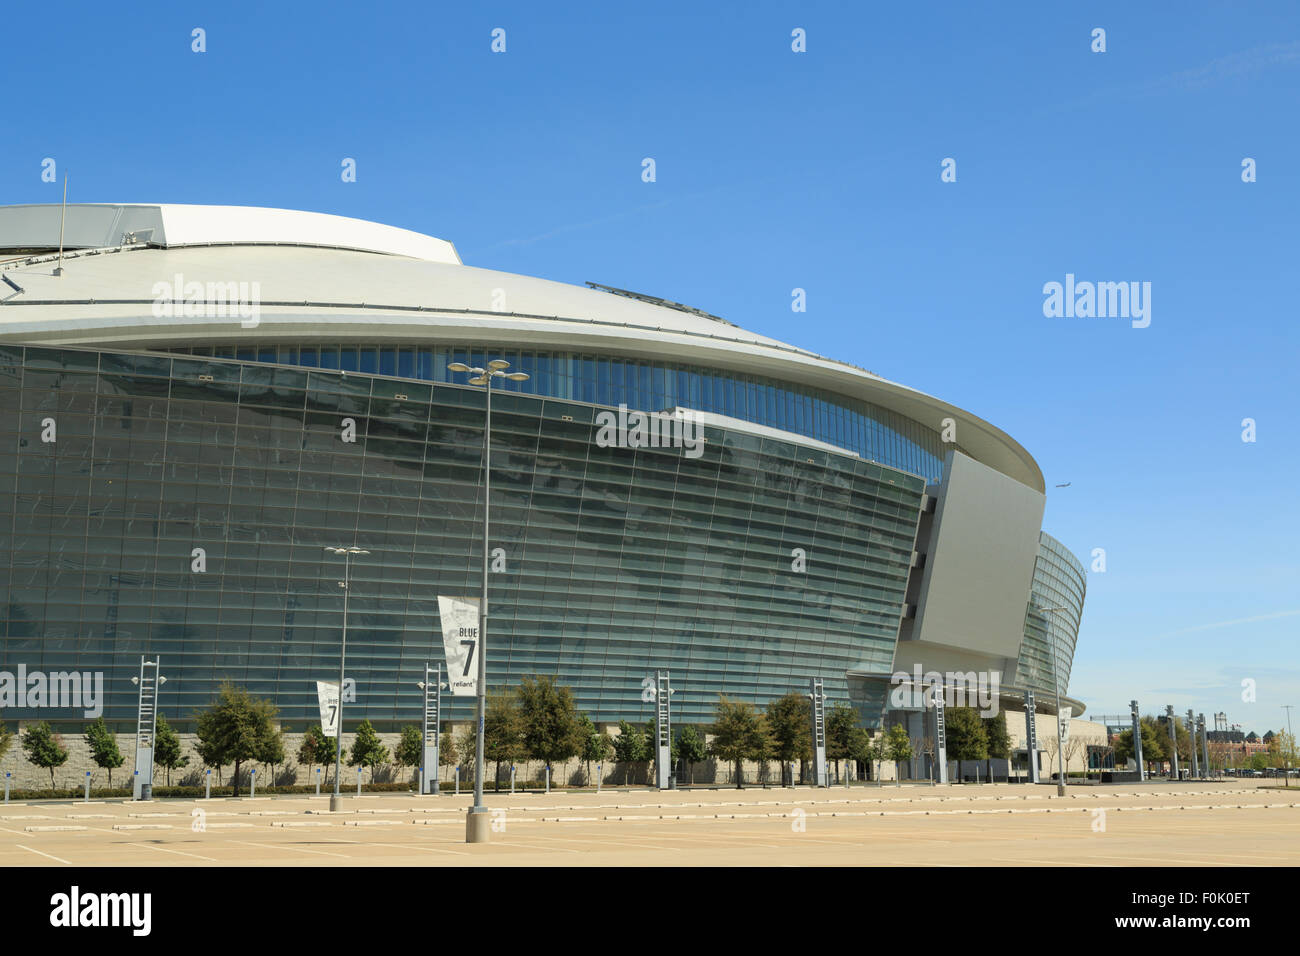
x=1060, y=740
x=476, y=821
x=335, y=799
x=1286, y=754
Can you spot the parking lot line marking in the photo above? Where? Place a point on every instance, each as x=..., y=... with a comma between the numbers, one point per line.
x=297, y=849
x=38, y=852
x=163, y=849
x=411, y=846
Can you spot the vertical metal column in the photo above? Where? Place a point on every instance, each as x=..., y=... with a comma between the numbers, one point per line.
x=663, y=731
x=1031, y=736
x=432, y=717
x=1173, y=741
x=940, y=739
x=146, y=721
x=819, y=732
x=1194, y=744
x=1137, y=740
x=1205, y=748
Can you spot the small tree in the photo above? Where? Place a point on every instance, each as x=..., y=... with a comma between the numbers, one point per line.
x=898, y=748
x=410, y=748
x=879, y=753
x=859, y=746
x=595, y=745
x=999, y=739
x=841, y=720
x=552, y=732
x=789, y=719
x=503, y=736
x=44, y=748
x=691, y=749
x=367, y=749
x=739, y=733
x=103, y=747
x=966, y=738
x=6, y=741
x=235, y=729
x=1283, y=748
x=270, y=747
x=167, y=750
x=447, y=755
x=315, y=749
x=630, y=747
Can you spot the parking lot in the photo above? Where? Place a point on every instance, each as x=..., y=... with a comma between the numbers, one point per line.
x=1229, y=824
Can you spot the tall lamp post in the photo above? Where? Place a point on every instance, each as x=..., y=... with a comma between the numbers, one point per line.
x=1060, y=739
x=476, y=821
x=343, y=656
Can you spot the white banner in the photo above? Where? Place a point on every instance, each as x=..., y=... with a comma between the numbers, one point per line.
x=459, y=616
x=1065, y=725
x=328, y=694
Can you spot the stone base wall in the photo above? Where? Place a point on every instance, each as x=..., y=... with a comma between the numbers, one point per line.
x=572, y=773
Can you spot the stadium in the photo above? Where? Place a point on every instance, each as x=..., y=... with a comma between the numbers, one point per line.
x=198, y=400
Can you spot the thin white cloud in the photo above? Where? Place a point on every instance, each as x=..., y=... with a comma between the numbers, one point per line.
x=1241, y=620
x=1234, y=64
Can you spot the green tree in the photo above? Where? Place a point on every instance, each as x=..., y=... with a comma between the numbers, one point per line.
x=840, y=721
x=966, y=738
x=103, y=747
x=595, y=745
x=859, y=745
x=44, y=748
x=270, y=747
x=651, y=732
x=789, y=720
x=409, y=751
x=234, y=729
x=447, y=755
x=1282, y=748
x=898, y=748
x=367, y=749
x=879, y=753
x=315, y=749
x=691, y=748
x=167, y=750
x=630, y=747
x=1153, y=743
x=739, y=733
x=6, y=741
x=999, y=739
x=552, y=732
x=503, y=733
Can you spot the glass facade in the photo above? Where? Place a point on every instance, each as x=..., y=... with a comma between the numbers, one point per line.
x=872, y=432
x=1060, y=580
x=116, y=467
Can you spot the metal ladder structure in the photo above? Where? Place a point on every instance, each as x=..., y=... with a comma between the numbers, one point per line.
x=146, y=723
x=820, y=770
x=663, y=731
x=432, y=718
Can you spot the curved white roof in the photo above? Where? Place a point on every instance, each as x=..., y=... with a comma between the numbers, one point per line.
x=308, y=294
x=100, y=225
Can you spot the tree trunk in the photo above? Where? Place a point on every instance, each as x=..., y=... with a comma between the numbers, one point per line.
x=235, y=779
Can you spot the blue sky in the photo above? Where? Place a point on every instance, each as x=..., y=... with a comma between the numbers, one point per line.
x=818, y=170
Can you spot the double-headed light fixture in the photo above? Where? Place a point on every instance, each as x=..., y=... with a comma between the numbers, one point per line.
x=476, y=821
